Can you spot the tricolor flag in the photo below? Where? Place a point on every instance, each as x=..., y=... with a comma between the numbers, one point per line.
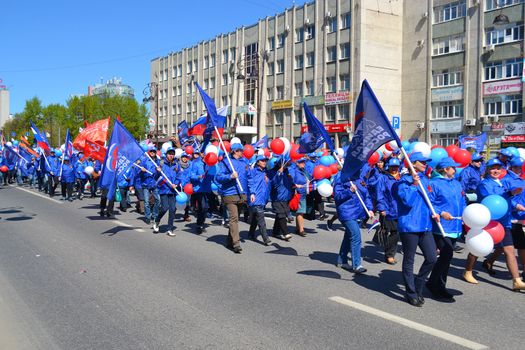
x=68, y=145
x=41, y=139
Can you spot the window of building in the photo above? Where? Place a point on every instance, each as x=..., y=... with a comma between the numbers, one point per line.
x=194, y=107
x=212, y=83
x=450, y=11
x=174, y=92
x=298, y=89
x=447, y=109
x=330, y=113
x=299, y=62
x=331, y=25
x=206, y=84
x=271, y=68
x=492, y=5
x=226, y=79
x=179, y=70
x=190, y=88
x=179, y=90
x=225, y=56
x=206, y=62
x=345, y=20
x=279, y=117
x=447, y=77
x=280, y=66
x=330, y=84
x=188, y=107
x=173, y=72
x=281, y=39
x=298, y=116
x=271, y=43
x=233, y=53
x=269, y=93
x=344, y=82
x=189, y=67
x=309, y=88
x=441, y=46
x=310, y=32
x=345, y=50
x=504, y=105
x=310, y=59
x=280, y=92
x=503, y=69
x=344, y=112
x=299, y=35
x=224, y=100
x=212, y=60
x=495, y=36
x=331, y=54
x=195, y=65
x=446, y=139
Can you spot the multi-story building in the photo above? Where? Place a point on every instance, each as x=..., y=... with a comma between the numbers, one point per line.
x=113, y=87
x=4, y=104
x=443, y=66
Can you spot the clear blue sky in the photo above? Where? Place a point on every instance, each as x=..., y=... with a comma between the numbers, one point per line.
x=56, y=48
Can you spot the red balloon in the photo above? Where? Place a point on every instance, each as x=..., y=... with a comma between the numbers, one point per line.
x=374, y=158
x=189, y=150
x=267, y=153
x=463, y=157
x=294, y=153
x=215, y=143
x=437, y=146
x=4, y=169
x=451, y=150
x=227, y=145
x=496, y=231
x=388, y=147
x=405, y=162
x=248, y=151
x=334, y=168
x=277, y=146
x=325, y=152
x=321, y=172
x=188, y=189
x=211, y=159
x=503, y=173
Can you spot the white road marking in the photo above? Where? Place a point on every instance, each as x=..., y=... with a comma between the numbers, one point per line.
x=410, y=324
x=36, y=194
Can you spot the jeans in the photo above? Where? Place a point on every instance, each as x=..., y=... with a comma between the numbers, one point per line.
x=147, y=208
x=351, y=243
x=438, y=277
x=168, y=204
x=257, y=219
x=199, y=201
x=410, y=242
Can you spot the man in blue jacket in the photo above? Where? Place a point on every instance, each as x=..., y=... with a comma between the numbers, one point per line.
x=258, y=193
x=149, y=188
x=280, y=195
x=201, y=177
x=52, y=169
x=167, y=190
x=471, y=176
x=233, y=196
x=67, y=179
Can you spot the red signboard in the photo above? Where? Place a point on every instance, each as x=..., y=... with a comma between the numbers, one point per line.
x=513, y=138
x=331, y=128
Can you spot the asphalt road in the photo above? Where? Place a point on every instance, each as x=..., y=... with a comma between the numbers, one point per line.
x=70, y=280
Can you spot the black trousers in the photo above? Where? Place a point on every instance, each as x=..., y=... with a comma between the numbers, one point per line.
x=411, y=240
x=438, y=277
x=67, y=189
x=280, y=225
x=199, y=201
x=257, y=219
x=52, y=183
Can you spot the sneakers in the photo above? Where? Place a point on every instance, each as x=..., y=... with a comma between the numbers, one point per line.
x=155, y=227
x=359, y=270
x=287, y=236
x=267, y=241
x=345, y=266
x=323, y=217
x=469, y=277
x=329, y=226
x=171, y=233
x=237, y=249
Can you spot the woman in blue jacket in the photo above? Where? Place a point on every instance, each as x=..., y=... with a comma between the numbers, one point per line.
x=415, y=228
x=258, y=194
x=280, y=195
x=167, y=192
x=67, y=179
x=301, y=181
x=449, y=202
x=351, y=213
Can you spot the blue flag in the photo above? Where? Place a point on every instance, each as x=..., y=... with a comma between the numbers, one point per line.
x=123, y=150
x=316, y=135
x=476, y=142
x=68, y=145
x=262, y=143
x=25, y=154
x=10, y=155
x=182, y=131
x=372, y=130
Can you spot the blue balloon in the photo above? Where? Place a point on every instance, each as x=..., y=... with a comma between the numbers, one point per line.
x=513, y=150
x=458, y=172
x=323, y=181
x=271, y=163
x=58, y=152
x=15, y=143
x=214, y=187
x=406, y=145
x=327, y=160
x=181, y=198
x=497, y=206
x=144, y=147
x=436, y=155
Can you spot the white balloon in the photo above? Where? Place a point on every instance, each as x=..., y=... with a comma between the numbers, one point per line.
x=211, y=149
x=178, y=152
x=235, y=140
x=522, y=152
x=479, y=242
x=387, y=153
x=260, y=152
x=89, y=170
x=422, y=147
x=8, y=143
x=393, y=145
x=287, y=145
x=476, y=215
x=325, y=190
x=165, y=146
x=340, y=152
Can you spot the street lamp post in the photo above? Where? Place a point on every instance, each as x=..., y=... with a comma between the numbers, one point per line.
x=151, y=94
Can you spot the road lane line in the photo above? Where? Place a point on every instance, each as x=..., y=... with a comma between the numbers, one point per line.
x=410, y=324
x=37, y=194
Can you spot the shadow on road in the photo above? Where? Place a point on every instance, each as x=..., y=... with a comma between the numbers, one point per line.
x=323, y=274
x=117, y=229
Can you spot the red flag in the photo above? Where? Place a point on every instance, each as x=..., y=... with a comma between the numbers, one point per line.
x=96, y=132
x=94, y=151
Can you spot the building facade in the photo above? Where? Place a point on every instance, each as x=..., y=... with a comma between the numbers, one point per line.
x=4, y=105
x=113, y=87
x=442, y=66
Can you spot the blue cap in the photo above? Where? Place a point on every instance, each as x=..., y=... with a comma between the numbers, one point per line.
x=236, y=147
x=418, y=156
x=446, y=162
x=476, y=157
x=516, y=161
x=152, y=148
x=262, y=157
x=494, y=161
x=52, y=150
x=393, y=162
x=66, y=158
x=506, y=153
x=169, y=149
x=184, y=154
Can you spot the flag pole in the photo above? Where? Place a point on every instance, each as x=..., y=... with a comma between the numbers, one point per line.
x=45, y=158
x=423, y=191
x=164, y=175
x=227, y=156
x=142, y=168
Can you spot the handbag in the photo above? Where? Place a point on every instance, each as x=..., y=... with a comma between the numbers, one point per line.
x=294, y=202
x=118, y=195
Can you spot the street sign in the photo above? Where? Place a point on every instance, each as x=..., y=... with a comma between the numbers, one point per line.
x=396, y=122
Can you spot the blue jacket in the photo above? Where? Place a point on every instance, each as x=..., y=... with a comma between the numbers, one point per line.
x=413, y=212
x=125, y=179
x=136, y=183
x=385, y=197
x=347, y=202
x=171, y=170
x=258, y=185
x=490, y=186
x=68, y=173
x=52, y=165
x=201, y=176
x=229, y=186
x=448, y=195
x=185, y=172
x=300, y=177
x=149, y=180
x=470, y=178
x=513, y=181
x=79, y=170
x=281, y=190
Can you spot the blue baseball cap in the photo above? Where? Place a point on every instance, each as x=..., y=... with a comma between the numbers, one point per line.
x=152, y=148
x=419, y=157
x=393, y=162
x=493, y=162
x=516, y=161
x=236, y=147
x=184, y=154
x=169, y=149
x=476, y=157
x=66, y=158
x=506, y=153
x=446, y=162
x=261, y=157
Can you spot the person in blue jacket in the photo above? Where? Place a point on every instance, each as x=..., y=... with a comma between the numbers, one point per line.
x=185, y=169
x=280, y=195
x=136, y=185
x=67, y=179
x=301, y=179
x=201, y=177
x=449, y=202
x=491, y=184
x=81, y=177
x=124, y=181
x=387, y=207
x=258, y=194
x=471, y=176
x=415, y=228
x=233, y=195
x=351, y=213
x=168, y=191
x=149, y=187
x=52, y=169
